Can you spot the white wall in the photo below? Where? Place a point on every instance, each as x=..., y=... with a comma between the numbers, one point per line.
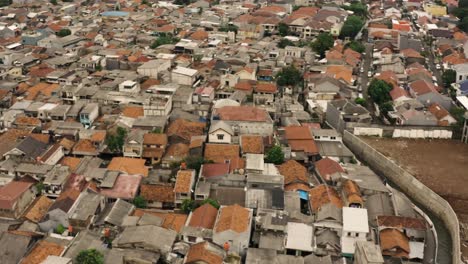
x=213, y=137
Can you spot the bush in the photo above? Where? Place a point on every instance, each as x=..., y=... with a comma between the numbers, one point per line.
x=360, y=101
x=285, y=42
x=90, y=256
x=187, y=206
x=283, y=29
x=211, y=201
x=116, y=141
x=357, y=46
x=60, y=229
x=275, y=155
x=139, y=202
x=64, y=32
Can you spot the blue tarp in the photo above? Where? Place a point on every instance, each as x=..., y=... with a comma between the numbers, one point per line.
x=303, y=195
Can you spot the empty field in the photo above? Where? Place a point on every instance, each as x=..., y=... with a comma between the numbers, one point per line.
x=442, y=165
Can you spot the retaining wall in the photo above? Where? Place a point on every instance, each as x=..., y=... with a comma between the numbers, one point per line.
x=412, y=187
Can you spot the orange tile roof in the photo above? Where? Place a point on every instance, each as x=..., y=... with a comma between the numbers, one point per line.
x=85, y=146
x=242, y=113
x=67, y=143
x=394, y=243
x=352, y=192
x=293, y=172
x=233, y=217
x=27, y=121
x=199, y=253
x=185, y=129
x=133, y=111
x=204, y=216
x=99, y=136
x=323, y=194
x=41, y=251
x=183, y=182
x=326, y=167
x=171, y=221
x=71, y=162
x=438, y=111
x=340, y=72
x=39, y=208
x=180, y=150
x=199, y=35
x=154, y=139
x=45, y=89
x=263, y=87
x=219, y=153
x=158, y=192
x=252, y=144
x=297, y=186
x=128, y=165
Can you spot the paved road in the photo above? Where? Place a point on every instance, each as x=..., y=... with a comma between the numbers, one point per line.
x=364, y=79
x=431, y=64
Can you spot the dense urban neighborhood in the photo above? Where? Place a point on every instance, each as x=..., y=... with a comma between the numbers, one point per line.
x=231, y=131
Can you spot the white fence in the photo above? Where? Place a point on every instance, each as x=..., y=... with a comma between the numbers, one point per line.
x=403, y=133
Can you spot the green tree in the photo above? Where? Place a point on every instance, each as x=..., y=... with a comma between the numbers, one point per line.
x=322, y=43
x=357, y=7
x=5, y=2
x=285, y=42
x=145, y=2
x=64, y=32
x=187, y=206
x=195, y=162
x=54, y=2
x=351, y=27
x=459, y=114
x=379, y=91
x=356, y=46
x=360, y=101
x=463, y=4
x=283, y=29
x=275, y=155
x=385, y=108
x=448, y=77
x=289, y=76
x=211, y=201
x=182, y=2
x=164, y=39
x=90, y=256
x=115, y=141
x=229, y=27
x=139, y=202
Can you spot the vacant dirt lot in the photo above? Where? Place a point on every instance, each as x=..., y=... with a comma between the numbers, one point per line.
x=442, y=165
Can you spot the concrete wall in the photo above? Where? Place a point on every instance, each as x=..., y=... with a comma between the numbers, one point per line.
x=403, y=132
x=411, y=187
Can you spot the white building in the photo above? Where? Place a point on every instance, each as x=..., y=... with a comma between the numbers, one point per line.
x=355, y=228
x=184, y=76
x=299, y=237
x=157, y=105
x=129, y=87
x=153, y=68
x=220, y=132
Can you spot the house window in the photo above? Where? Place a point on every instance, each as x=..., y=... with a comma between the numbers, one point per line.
x=192, y=239
x=317, y=137
x=333, y=138
x=460, y=78
x=220, y=136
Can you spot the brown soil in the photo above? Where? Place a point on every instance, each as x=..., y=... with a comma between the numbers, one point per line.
x=441, y=165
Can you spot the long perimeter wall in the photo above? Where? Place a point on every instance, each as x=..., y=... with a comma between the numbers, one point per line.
x=412, y=187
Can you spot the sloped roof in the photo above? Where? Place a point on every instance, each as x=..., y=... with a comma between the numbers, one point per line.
x=204, y=216
x=233, y=217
